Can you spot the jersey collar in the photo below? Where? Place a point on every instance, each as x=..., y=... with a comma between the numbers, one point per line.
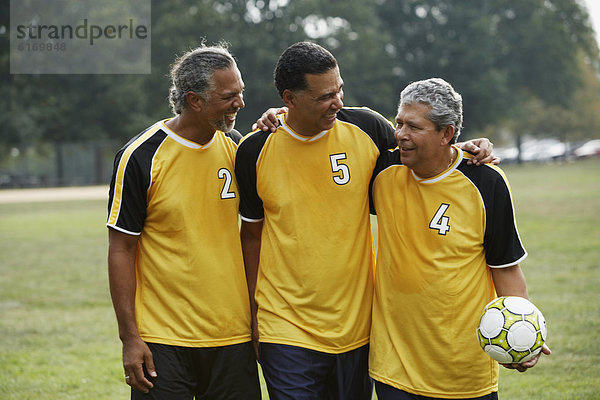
x=184, y=141
x=297, y=136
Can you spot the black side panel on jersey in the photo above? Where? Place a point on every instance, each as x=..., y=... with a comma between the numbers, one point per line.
x=379, y=129
x=136, y=181
x=234, y=135
x=246, y=157
x=501, y=239
x=386, y=159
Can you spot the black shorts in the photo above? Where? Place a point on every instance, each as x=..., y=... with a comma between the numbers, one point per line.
x=387, y=392
x=186, y=373
x=296, y=373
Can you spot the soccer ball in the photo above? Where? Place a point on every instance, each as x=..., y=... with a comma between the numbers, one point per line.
x=511, y=330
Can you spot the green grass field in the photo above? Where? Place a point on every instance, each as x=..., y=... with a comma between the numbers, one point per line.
x=59, y=336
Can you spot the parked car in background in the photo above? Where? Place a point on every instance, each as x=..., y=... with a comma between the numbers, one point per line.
x=588, y=149
x=533, y=150
x=507, y=155
x=543, y=150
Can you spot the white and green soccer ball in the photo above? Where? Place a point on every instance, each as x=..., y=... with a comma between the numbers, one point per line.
x=511, y=330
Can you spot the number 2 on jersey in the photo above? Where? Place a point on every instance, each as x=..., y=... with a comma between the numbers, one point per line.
x=225, y=193
x=440, y=222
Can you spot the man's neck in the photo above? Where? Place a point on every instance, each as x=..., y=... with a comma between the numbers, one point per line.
x=297, y=126
x=191, y=130
x=442, y=164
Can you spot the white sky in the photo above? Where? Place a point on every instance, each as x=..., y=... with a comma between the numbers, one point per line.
x=593, y=7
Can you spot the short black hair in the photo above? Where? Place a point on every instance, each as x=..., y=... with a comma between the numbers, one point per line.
x=298, y=60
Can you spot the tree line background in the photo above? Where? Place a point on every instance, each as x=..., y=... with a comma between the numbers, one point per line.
x=524, y=68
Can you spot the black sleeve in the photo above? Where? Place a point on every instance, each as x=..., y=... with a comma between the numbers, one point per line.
x=501, y=239
x=385, y=159
x=234, y=135
x=133, y=184
x=379, y=129
x=251, y=206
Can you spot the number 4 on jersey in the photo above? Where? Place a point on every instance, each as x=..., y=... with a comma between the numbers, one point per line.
x=439, y=221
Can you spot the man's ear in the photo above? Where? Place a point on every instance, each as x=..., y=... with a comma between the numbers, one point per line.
x=194, y=101
x=447, y=134
x=289, y=98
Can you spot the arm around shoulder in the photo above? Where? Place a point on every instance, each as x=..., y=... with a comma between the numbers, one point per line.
x=482, y=148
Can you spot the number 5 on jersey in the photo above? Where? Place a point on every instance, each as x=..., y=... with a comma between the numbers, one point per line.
x=339, y=168
x=440, y=222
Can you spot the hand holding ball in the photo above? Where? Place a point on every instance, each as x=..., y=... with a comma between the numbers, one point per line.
x=511, y=330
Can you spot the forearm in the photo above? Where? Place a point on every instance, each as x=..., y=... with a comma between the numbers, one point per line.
x=510, y=281
x=122, y=283
x=250, y=234
x=123, y=298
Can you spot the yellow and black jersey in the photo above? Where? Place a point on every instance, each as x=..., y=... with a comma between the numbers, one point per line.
x=314, y=286
x=181, y=198
x=437, y=237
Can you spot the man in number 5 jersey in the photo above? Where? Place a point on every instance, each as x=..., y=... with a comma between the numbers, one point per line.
x=306, y=233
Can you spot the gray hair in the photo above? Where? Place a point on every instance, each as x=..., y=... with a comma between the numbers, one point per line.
x=445, y=102
x=193, y=72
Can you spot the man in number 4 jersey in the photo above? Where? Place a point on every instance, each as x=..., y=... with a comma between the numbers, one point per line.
x=448, y=244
